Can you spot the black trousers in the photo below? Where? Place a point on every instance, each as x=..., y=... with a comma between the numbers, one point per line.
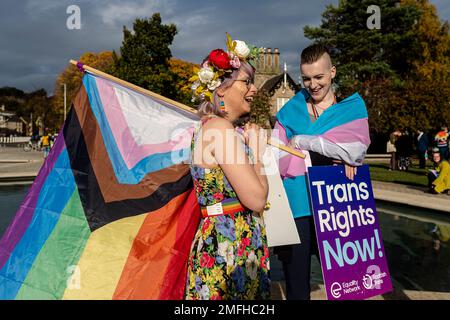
x=422, y=161
x=296, y=260
x=444, y=152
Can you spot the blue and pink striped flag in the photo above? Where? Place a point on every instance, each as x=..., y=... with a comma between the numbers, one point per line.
x=341, y=132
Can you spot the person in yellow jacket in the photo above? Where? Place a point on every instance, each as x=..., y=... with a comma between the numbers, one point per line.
x=439, y=178
x=45, y=144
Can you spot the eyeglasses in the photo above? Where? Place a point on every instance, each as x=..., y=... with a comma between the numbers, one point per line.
x=248, y=81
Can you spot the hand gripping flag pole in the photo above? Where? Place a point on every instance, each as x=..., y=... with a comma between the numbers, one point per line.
x=83, y=68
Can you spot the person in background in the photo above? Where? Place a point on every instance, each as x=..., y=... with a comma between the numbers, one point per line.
x=422, y=148
x=441, y=139
x=403, y=146
x=390, y=148
x=34, y=142
x=45, y=143
x=439, y=177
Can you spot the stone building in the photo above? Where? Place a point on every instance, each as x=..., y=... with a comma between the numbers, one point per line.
x=276, y=81
x=9, y=122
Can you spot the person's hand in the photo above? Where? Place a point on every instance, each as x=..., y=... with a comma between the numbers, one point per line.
x=256, y=139
x=350, y=171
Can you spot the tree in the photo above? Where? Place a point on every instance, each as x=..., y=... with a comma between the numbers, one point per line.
x=39, y=104
x=388, y=65
x=144, y=56
x=360, y=53
x=260, y=109
x=24, y=104
x=428, y=88
x=183, y=71
x=72, y=77
x=13, y=99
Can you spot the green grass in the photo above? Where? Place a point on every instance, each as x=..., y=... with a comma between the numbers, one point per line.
x=414, y=176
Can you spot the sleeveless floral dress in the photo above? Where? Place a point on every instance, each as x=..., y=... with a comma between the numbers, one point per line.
x=229, y=257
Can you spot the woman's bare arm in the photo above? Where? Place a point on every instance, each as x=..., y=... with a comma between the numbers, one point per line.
x=248, y=180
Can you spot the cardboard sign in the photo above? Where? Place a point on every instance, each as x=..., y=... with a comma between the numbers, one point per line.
x=280, y=225
x=348, y=233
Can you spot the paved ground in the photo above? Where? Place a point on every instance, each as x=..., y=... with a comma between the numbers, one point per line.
x=318, y=293
x=410, y=195
x=18, y=166
x=14, y=155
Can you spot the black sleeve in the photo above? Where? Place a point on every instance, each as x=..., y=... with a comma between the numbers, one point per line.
x=320, y=160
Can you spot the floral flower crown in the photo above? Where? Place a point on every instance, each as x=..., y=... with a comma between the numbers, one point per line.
x=210, y=76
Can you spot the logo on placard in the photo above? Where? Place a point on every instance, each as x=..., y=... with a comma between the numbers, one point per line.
x=367, y=281
x=336, y=290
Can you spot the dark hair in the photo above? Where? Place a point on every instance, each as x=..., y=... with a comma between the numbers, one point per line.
x=313, y=53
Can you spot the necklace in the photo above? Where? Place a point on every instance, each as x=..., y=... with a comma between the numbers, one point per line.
x=314, y=107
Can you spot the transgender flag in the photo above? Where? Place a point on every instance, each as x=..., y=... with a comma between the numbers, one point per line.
x=112, y=213
x=341, y=132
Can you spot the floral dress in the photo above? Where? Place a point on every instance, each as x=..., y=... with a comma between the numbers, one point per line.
x=229, y=257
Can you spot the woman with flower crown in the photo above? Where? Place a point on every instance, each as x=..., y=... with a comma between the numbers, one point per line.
x=229, y=257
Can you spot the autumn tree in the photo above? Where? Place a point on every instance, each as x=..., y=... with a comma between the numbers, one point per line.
x=183, y=71
x=428, y=85
x=72, y=77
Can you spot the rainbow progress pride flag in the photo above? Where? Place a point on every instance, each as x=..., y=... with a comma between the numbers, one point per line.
x=112, y=212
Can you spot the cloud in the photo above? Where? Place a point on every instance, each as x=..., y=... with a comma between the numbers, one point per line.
x=36, y=8
x=119, y=12
x=36, y=44
x=42, y=40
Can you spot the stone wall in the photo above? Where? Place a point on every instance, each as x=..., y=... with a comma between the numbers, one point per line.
x=287, y=94
x=267, y=67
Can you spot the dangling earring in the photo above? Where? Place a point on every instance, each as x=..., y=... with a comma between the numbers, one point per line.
x=222, y=106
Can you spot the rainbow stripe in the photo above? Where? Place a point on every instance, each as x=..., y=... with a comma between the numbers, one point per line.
x=112, y=212
x=229, y=206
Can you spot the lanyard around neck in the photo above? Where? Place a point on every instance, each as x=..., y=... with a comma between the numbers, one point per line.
x=314, y=109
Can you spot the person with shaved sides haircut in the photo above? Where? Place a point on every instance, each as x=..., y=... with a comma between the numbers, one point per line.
x=329, y=131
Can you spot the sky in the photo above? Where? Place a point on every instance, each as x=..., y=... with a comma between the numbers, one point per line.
x=36, y=43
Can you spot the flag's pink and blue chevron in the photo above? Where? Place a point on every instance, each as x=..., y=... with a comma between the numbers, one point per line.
x=341, y=132
x=115, y=106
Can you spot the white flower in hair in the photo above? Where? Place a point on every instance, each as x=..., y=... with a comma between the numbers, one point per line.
x=214, y=85
x=205, y=75
x=241, y=49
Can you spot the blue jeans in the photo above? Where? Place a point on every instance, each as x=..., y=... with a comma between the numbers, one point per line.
x=46, y=151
